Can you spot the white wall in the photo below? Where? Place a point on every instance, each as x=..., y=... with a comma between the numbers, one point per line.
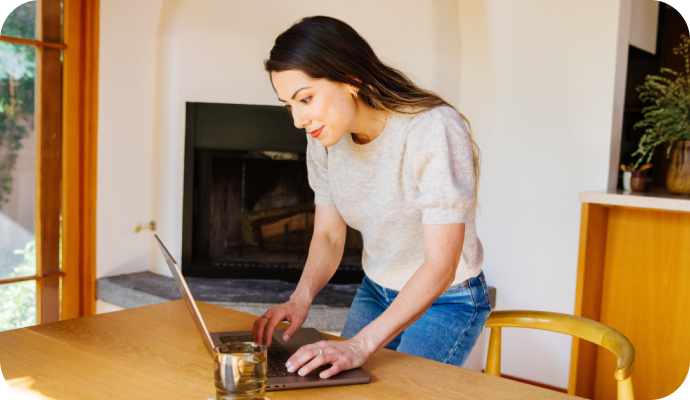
x=536, y=78
x=537, y=84
x=213, y=51
x=125, y=124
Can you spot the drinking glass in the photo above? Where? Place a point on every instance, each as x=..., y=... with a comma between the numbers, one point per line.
x=240, y=371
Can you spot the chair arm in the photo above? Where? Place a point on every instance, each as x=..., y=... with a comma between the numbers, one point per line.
x=579, y=327
x=621, y=346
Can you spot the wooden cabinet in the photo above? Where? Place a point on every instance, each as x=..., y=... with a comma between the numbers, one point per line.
x=634, y=275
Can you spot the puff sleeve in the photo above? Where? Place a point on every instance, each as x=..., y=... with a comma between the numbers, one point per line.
x=317, y=171
x=443, y=168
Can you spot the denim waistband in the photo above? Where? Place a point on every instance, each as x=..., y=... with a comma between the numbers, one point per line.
x=390, y=294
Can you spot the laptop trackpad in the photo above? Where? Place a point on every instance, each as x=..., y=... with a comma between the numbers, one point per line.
x=304, y=336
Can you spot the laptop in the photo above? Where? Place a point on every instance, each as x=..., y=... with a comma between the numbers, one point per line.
x=278, y=377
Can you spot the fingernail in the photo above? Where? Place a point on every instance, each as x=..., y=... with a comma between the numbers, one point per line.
x=302, y=372
x=287, y=364
x=323, y=375
x=286, y=337
x=291, y=369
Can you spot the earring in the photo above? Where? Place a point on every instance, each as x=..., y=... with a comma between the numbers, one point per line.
x=354, y=93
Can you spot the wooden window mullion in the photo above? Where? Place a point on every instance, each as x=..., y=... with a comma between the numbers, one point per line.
x=48, y=160
x=80, y=84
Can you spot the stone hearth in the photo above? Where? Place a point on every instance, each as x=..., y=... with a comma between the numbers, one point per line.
x=254, y=296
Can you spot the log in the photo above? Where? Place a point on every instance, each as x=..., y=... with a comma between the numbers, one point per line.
x=296, y=223
x=252, y=216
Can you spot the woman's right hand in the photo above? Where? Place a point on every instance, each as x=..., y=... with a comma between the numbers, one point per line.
x=293, y=311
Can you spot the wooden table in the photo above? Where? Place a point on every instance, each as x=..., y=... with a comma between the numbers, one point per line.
x=155, y=352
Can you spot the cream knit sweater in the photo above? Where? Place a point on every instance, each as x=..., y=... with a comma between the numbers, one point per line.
x=417, y=171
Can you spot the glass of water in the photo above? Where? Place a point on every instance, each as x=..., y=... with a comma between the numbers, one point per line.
x=240, y=371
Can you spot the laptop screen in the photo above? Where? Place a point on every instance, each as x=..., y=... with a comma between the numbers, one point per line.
x=187, y=295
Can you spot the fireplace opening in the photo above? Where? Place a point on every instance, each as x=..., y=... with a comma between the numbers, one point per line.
x=252, y=209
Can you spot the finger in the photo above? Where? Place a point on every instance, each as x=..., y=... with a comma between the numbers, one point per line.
x=262, y=324
x=336, y=368
x=259, y=326
x=316, y=362
x=301, y=356
x=295, y=324
x=255, y=328
x=271, y=326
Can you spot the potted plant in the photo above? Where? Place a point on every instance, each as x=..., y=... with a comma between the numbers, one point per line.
x=667, y=119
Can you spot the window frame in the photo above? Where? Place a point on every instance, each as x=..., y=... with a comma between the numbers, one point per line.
x=66, y=102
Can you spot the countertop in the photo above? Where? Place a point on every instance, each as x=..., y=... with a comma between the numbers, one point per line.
x=653, y=199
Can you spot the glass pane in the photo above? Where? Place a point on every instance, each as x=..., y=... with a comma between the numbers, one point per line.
x=21, y=22
x=17, y=161
x=17, y=305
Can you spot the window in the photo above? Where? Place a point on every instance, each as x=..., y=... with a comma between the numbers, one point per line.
x=47, y=156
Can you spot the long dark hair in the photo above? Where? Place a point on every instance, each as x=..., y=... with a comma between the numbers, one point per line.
x=327, y=48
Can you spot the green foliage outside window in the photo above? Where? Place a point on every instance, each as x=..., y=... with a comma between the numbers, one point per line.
x=21, y=22
x=18, y=300
x=667, y=120
x=17, y=72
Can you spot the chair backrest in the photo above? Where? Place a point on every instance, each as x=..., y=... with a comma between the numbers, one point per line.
x=582, y=328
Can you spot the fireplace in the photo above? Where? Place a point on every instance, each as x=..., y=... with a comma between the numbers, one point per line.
x=248, y=210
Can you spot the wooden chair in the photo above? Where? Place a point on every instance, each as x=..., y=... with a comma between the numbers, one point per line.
x=582, y=328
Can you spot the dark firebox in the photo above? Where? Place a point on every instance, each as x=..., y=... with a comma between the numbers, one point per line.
x=248, y=207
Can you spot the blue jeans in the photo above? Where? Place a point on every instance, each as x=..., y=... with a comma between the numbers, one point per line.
x=446, y=332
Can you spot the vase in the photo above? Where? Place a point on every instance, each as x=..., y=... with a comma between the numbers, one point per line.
x=638, y=181
x=626, y=181
x=678, y=177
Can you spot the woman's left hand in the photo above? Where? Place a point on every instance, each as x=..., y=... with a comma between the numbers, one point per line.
x=343, y=355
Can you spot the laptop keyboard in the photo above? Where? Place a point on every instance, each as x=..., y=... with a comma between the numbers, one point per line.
x=277, y=356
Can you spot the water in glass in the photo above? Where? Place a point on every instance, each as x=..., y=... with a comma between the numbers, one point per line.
x=240, y=371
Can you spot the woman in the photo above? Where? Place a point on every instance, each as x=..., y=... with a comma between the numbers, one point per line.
x=397, y=163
